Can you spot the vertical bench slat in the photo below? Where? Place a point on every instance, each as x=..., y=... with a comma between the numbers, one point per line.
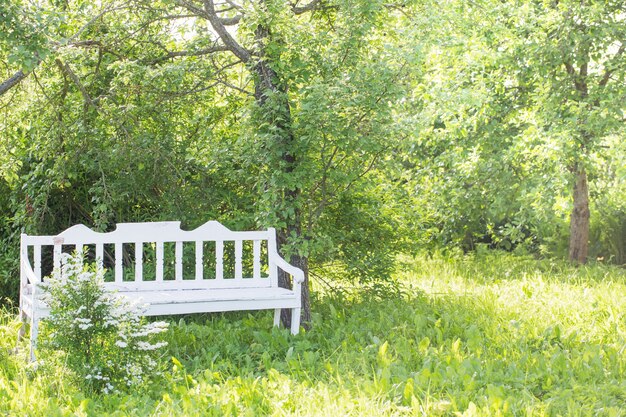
x=179, y=261
x=199, y=255
x=99, y=255
x=219, y=259
x=138, y=261
x=37, y=260
x=238, y=256
x=159, y=261
x=57, y=255
x=256, y=262
x=271, y=249
x=118, y=263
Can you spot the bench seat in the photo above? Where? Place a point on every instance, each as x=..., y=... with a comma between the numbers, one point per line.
x=203, y=301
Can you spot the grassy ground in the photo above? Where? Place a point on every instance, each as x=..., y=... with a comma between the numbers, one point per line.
x=492, y=334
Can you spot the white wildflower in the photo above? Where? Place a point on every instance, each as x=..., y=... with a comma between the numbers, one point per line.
x=84, y=276
x=84, y=320
x=149, y=346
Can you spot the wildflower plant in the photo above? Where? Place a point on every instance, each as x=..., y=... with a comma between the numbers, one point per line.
x=101, y=337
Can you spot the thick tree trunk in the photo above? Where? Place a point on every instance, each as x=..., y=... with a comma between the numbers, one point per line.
x=267, y=84
x=267, y=81
x=284, y=281
x=302, y=262
x=579, y=218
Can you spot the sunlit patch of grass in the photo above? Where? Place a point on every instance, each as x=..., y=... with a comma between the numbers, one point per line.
x=488, y=334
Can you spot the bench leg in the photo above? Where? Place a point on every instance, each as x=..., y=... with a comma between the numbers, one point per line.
x=277, y=317
x=295, y=320
x=34, y=332
x=22, y=331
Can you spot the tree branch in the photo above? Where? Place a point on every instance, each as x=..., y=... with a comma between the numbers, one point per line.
x=12, y=82
x=580, y=85
x=199, y=52
x=239, y=51
x=72, y=75
x=94, y=44
x=234, y=87
x=399, y=7
x=608, y=72
x=219, y=25
x=20, y=75
x=312, y=5
x=198, y=87
x=41, y=87
x=233, y=5
x=198, y=11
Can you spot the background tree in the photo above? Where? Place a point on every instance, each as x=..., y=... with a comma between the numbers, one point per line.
x=578, y=47
x=521, y=104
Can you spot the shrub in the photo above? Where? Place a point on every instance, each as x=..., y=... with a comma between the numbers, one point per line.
x=102, y=338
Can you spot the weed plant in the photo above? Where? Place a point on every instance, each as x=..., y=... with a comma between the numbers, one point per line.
x=491, y=334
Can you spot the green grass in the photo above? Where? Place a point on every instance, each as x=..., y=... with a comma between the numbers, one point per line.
x=491, y=334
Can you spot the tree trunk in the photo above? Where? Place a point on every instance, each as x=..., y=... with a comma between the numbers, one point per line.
x=579, y=218
x=277, y=113
x=268, y=81
x=284, y=281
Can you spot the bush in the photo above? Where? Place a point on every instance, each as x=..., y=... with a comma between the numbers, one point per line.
x=9, y=249
x=102, y=338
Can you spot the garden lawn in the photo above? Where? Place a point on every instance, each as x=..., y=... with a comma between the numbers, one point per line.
x=489, y=334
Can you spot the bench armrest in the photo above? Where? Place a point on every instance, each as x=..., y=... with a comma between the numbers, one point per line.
x=295, y=272
x=28, y=273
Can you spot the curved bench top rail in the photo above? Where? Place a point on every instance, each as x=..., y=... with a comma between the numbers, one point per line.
x=148, y=232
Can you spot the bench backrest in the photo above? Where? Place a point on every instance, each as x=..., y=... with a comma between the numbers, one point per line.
x=211, y=256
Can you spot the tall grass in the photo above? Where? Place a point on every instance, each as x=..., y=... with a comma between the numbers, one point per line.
x=488, y=334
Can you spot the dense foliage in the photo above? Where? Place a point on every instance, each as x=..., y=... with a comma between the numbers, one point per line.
x=519, y=100
x=358, y=128
x=482, y=334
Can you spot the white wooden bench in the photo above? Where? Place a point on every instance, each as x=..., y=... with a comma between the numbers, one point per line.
x=173, y=271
